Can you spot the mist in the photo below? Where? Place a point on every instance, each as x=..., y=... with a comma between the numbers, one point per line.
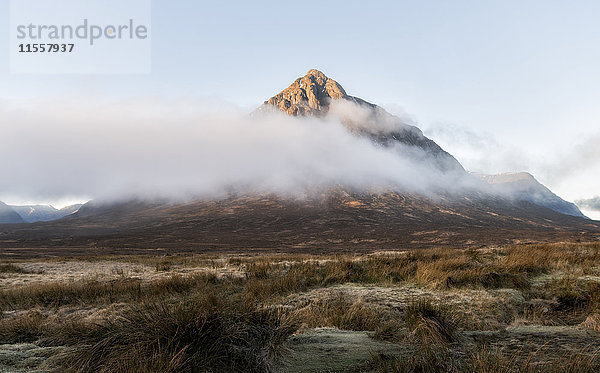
x=567, y=165
x=480, y=151
x=149, y=148
x=592, y=204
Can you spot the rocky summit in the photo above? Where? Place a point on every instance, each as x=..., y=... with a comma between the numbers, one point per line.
x=309, y=95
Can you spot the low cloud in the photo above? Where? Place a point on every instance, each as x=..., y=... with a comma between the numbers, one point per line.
x=479, y=151
x=592, y=204
x=104, y=149
x=361, y=118
x=581, y=156
x=567, y=166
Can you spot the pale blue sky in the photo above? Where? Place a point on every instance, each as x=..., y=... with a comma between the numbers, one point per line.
x=523, y=72
x=476, y=54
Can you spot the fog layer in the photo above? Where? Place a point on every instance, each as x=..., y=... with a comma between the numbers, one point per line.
x=103, y=149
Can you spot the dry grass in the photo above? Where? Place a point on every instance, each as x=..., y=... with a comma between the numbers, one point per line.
x=425, y=359
x=13, y=268
x=569, y=300
x=27, y=327
x=435, y=269
x=430, y=324
x=204, y=333
x=97, y=292
x=200, y=335
x=340, y=312
x=494, y=361
x=482, y=360
x=237, y=323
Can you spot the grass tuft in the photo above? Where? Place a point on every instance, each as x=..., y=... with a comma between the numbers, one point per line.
x=429, y=323
x=199, y=335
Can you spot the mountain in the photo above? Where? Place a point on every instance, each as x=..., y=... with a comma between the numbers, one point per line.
x=334, y=219
x=36, y=213
x=317, y=95
x=8, y=215
x=523, y=186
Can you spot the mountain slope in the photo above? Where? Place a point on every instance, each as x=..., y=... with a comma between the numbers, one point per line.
x=523, y=186
x=8, y=215
x=337, y=220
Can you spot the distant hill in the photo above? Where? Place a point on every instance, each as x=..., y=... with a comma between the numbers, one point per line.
x=8, y=215
x=523, y=186
x=36, y=213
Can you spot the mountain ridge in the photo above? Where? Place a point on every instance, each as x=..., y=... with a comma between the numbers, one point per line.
x=37, y=213
x=524, y=186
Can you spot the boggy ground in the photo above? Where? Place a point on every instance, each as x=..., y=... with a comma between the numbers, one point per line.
x=524, y=308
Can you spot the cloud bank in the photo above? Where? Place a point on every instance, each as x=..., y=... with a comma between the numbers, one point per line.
x=180, y=149
x=479, y=151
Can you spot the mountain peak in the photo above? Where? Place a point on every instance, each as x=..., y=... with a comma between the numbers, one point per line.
x=308, y=95
x=316, y=74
